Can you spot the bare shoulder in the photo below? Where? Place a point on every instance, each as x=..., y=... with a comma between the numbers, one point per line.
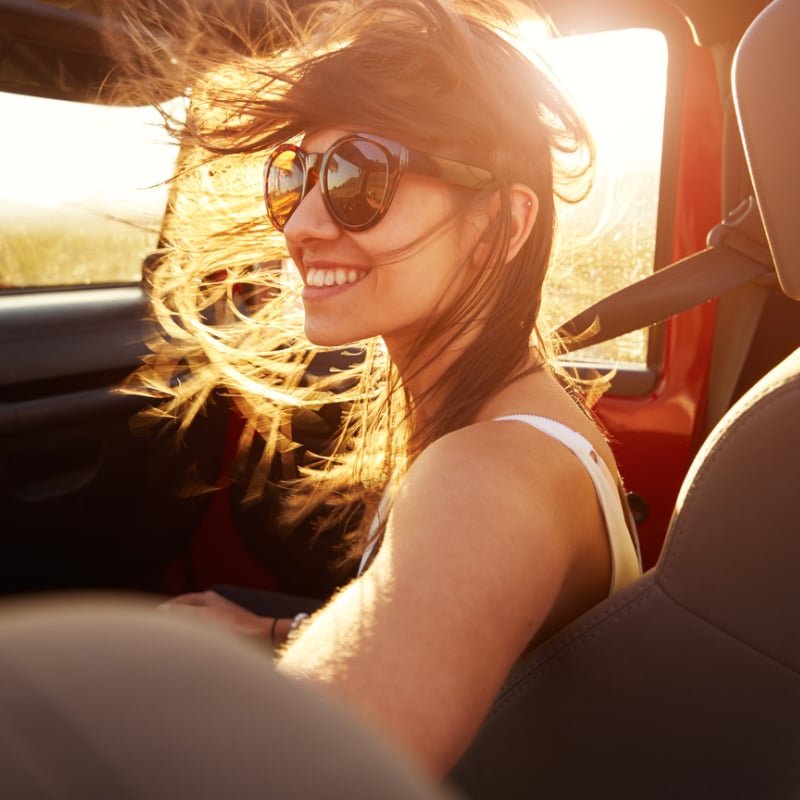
x=516, y=482
x=496, y=457
x=481, y=550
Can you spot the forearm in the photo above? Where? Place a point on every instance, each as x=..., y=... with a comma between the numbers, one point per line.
x=279, y=632
x=365, y=662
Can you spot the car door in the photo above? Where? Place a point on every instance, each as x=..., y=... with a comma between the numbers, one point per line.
x=85, y=500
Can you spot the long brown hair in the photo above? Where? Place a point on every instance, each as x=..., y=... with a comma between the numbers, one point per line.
x=437, y=74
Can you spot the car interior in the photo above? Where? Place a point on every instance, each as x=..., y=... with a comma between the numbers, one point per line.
x=686, y=683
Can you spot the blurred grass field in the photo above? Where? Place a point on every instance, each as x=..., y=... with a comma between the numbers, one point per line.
x=57, y=249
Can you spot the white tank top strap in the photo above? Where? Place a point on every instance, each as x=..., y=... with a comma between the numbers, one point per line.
x=375, y=528
x=625, y=559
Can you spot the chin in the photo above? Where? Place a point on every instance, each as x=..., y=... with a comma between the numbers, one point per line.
x=328, y=338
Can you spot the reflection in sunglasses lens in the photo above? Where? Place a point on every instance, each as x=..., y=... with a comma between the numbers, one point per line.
x=284, y=186
x=356, y=179
x=355, y=183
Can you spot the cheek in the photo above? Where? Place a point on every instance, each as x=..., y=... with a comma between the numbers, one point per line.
x=423, y=257
x=420, y=234
x=425, y=282
x=419, y=208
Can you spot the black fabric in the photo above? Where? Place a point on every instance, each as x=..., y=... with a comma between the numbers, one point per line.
x=642, y=699
x=734, y=546
x=269, y=604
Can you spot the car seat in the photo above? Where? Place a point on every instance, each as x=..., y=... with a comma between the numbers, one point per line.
x=687, y=682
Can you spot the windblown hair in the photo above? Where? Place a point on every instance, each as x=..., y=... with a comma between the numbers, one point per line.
x=441, y=75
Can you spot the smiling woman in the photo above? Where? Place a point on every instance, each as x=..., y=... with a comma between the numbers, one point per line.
x=420, y=215
x=105, y=177
x=492, y=622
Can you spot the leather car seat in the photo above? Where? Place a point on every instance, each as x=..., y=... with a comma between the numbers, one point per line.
x=687, y=683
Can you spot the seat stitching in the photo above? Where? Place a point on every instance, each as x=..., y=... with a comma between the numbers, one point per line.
x=751, y=415
x=711, y=623
x=534, y=672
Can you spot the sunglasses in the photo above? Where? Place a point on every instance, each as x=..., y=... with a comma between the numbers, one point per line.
x=358, y=176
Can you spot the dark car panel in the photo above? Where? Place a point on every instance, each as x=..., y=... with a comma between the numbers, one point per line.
x=85, y=501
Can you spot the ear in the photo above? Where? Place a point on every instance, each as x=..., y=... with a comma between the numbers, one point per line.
x=524, y=209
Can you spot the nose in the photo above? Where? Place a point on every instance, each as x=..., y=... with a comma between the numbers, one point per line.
x=311, y=220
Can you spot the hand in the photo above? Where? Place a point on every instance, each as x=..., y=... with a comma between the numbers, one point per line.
x=218, y=610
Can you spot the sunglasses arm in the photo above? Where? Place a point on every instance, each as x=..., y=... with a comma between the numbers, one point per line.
x=445, y=169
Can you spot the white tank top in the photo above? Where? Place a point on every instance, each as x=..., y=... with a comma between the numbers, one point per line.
x=625, y=559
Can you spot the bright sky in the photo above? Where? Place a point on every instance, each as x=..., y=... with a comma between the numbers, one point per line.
x=618, y=81
x=55, y=152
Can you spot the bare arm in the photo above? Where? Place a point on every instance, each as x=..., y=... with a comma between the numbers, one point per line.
x=481, y=542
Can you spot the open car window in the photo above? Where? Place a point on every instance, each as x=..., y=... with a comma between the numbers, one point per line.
x=84, y=188
x=618, y=80
x=83, y=192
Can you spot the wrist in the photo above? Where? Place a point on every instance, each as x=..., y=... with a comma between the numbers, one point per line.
x=282, y=629
x=297, y=622
x=278, y=631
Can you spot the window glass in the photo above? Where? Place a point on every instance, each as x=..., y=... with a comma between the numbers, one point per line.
x=82, y=192
x=618, y=81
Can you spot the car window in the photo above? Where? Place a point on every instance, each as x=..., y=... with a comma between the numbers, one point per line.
x=618, y=80
x=82, y=192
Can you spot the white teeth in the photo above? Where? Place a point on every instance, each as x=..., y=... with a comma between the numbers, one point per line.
x=315, y=277
x=330, y=277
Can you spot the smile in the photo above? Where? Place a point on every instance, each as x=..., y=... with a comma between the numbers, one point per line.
x=340, y=276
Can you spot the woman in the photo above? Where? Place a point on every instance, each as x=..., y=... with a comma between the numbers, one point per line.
x=413, y=158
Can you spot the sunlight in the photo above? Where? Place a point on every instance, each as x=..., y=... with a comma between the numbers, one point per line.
x=617, y=80
x=91, y=163
x=60, y=153
x=50, y=157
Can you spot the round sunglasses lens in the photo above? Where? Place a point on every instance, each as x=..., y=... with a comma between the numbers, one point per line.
x=356, y=178
x=284, y=187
